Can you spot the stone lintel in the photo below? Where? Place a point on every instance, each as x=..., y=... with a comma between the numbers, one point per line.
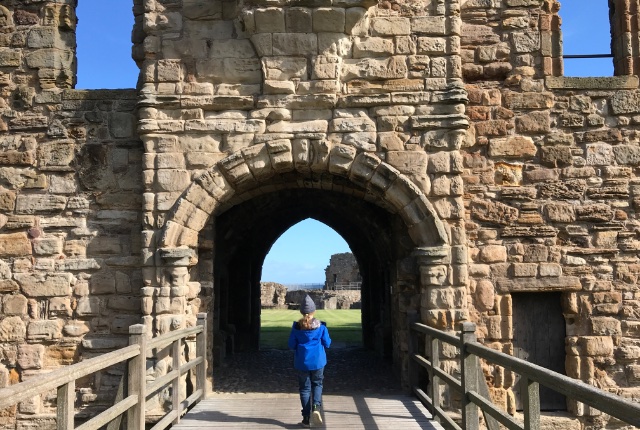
x=531, y=285
x=592, y=83
x=182, y=256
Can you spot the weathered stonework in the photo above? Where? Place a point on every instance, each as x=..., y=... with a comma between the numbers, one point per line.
x=439, y=138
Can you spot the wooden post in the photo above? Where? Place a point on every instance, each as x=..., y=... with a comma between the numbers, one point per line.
x=411, y=366
x=469, y=363
x=201, y=351
x=434, y=355
x=137, y=375
x=530, y=392
x=66, y=406
x=175, y=391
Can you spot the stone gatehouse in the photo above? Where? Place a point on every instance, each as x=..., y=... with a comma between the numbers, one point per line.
x=471, y=179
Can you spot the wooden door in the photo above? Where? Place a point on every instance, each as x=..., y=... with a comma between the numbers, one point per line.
x=539, y=333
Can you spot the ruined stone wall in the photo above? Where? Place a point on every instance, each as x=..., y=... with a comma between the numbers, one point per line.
x=342, y=268
x=70, y=199
x=551, y=171
x=273, y=295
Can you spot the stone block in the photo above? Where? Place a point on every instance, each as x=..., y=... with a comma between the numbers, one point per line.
x=102, y=283
x=594, y=346
x=334, y=44
x=356, y=21
x=44, y=330
x=372, y=47
x=432, y=46
x=533, y=123
x=47, y=246
x=372, y=68
x=76, y=328
x=485, y=295
x=550, y=269
x=390, y=26
x=30, y=356
x=513, y=147
x=304, y=44
x=434, y=25
x=559, y=212
x=14, y=304
x=60, y=307
x=493, y=254
x=625, y=102
x=284, y=68
x=12, y=329
x=10, y=57
x=14, y=245
x=270, y=20
x=44, y=284
x=524, y=270
x=37, y=203
x=606, y=326
x=88, y=306
x=329, y=20
x=408, y=162
x=528, y=100
x=298, y=19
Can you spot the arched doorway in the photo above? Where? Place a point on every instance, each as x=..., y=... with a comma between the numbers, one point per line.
x=244, y=234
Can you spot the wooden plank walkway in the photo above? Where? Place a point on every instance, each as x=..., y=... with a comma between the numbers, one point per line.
x=282, y=411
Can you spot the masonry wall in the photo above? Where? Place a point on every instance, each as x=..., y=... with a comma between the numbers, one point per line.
x=551, y=173
x=100, y=229
x=70, y=198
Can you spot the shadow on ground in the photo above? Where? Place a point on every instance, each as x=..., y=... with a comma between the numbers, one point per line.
x=349, y=370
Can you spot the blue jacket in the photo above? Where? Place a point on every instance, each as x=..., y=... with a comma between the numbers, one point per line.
x=309, y=346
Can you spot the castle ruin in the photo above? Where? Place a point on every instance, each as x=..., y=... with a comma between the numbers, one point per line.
x=471, y=179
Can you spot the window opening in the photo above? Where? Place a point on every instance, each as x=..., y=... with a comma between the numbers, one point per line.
x=297, y=264
x=103, y=39
x=586, y=38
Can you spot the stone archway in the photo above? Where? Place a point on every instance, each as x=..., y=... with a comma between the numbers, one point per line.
x=398, y=287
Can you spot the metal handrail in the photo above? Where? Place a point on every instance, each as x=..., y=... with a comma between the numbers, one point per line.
x=532, y=376
x=135, y=355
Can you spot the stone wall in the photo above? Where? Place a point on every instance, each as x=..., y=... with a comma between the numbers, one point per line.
x=438, y=137
x=343, y=269
x=273, y=295
x=550, y=175
x=325, y=299
x=70, y=198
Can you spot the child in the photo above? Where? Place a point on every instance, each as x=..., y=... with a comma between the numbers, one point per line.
x=309, y=337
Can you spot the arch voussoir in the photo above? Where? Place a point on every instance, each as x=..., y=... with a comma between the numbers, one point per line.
x=281, y=154
x=189, y=215
x=200, y=197
x=363, y=167
x=215, y=183
x=236, y=170
x=175, y=235
x=340, y=159
x=258, y=161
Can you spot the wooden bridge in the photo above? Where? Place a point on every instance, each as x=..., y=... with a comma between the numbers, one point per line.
x=273, y=411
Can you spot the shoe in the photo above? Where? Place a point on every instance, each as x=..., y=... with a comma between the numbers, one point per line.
x=316, y=417
x=305, y=422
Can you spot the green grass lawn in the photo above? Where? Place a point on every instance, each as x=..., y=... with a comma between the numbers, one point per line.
x=344, y=326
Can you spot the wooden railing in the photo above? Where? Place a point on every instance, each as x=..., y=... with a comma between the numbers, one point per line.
x=133, y=404
x=469, y=386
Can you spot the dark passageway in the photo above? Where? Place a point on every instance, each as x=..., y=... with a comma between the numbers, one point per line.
x=245, y=233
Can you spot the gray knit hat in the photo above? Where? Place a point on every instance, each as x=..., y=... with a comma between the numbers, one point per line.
x=307, y=306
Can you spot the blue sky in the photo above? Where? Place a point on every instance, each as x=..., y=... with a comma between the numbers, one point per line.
x=105, y=27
